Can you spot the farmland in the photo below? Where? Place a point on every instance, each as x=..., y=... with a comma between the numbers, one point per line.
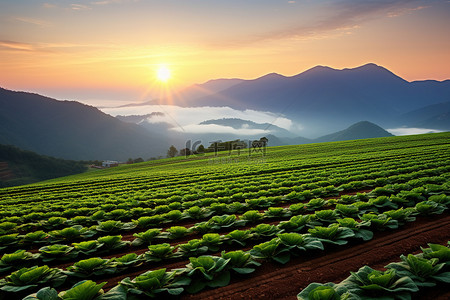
x=231, y=226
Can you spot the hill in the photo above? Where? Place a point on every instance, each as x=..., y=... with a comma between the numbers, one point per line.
x=360, y=130
x=71, y=130
x=357, y=131
x=435, y=116
x=19, y=167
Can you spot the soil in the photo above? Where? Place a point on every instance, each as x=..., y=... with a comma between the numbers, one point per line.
x=275, y=281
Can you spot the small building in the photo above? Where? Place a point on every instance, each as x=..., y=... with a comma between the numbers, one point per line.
x=110, y=163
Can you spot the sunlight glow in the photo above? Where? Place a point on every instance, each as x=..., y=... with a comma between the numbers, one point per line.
x=163, y=73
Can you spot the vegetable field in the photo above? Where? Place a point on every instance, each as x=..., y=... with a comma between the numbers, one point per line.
x=238, y=225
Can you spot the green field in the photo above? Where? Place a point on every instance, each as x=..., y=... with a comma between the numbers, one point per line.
x=123, y=210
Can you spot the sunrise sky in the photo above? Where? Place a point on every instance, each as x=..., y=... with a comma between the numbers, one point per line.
x=110, y=50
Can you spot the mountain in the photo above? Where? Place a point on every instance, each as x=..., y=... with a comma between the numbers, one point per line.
x=322, y=98
x=436, y=116
x=19, y=167
x=71, y=130
x=236, y=123
x=360, y=130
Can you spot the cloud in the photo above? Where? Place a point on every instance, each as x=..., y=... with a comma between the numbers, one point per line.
x=410, y=131
x=214, y=128
x=15, y=46
x=33, y=21
x=188, y=118
x=79, y=7
x=335, y=18
x=107, y=2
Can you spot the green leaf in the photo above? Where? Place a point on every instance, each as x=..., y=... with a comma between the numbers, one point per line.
x=83, y=290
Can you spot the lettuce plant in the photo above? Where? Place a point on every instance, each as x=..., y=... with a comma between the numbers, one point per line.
x=212, y=241
x=148, y=222
x=315, y=204
x=240, y=261
x=326, y=215
x=437, y=251
x=238, y=236
x=159, y=252
x=225, y=221
x=277, y=212
x=270, y=250
x=86, y=290
x=252, y=216
x=128, y=260
x=7, y=227
x=54, y=223
x=429, y=208
x=16, y=260
x=202, y=227
x=401, y=215
x=193, y=247
x=380, y=222
x=87, y=247
x=235, y=207
x=360, y=233
x=93, y=266
x=347, y=210
x=155, y=283
x=35, y=237
x=443, y=199
x=112, y=226
x=57, y=252
x=296, y=223
x=173, y=215
x=265, y=230
x=71, y=233
x=146, y=237
x=424, y=272
x=118, y=214
x=176, y=232
x=297, y=208
x=8, y=240
x=111, y=242
x=333, y=234
x=383, y=202
x=28, y=278
x=196, y=213
x=327, y=291
x=293, y=243
x=206, y=271
x=368, y=283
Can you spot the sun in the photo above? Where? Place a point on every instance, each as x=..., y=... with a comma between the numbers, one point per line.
x=163, y=73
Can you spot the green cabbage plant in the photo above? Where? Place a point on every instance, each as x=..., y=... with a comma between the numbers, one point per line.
x=333, y=234
x=368, y=283
x=424, y=272
x=155, y=284
x=29, y=278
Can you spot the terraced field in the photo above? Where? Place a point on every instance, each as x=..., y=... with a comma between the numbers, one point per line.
x=230, y=226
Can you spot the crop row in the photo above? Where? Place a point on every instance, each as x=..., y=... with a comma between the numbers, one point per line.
x=336, y=233
x=201, y=272
x=116, y=209
x=405, y=195
x=400, y=280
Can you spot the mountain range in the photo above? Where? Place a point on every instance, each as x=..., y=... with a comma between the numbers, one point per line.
x=325, y=103
x=322, y=98
x=70, y=130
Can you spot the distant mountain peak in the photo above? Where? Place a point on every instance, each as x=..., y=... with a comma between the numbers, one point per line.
x=271, y=76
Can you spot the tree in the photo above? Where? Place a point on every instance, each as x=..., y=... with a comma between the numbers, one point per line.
x=185, y=152
x=172, y=152
x=201, y=149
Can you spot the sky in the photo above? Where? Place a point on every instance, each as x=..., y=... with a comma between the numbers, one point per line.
x=108, y=51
